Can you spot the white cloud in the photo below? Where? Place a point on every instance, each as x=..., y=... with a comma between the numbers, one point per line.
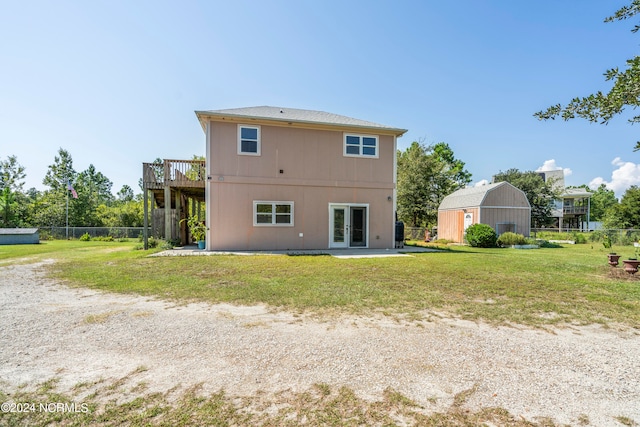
x=481, y=183
x=596, y=182
x=550, y=165
x=624, y=176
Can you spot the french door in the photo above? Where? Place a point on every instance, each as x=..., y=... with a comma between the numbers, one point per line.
x=348, y=226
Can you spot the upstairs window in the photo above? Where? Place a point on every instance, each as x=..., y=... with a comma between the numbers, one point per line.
x=272, y=214
x=249, y=140
x=360, y=146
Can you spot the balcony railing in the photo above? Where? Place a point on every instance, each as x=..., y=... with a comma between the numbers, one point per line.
x=174, y=173
x=575, y=210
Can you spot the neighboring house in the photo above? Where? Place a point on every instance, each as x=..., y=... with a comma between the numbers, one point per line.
x=289, y=179
x=19, y=236
x=573, y=209
x=501, y=206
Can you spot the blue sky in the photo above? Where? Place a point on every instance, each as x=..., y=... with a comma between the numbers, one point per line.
x=116, y=83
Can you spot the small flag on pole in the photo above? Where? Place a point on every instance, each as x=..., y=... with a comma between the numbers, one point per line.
x=73, y=191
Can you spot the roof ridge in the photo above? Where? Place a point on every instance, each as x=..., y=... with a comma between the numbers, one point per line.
x=298, y=115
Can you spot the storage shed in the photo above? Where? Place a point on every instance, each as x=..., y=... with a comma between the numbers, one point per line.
x=501, y=206
x=19, y=236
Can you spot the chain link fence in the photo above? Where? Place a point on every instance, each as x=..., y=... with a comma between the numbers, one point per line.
x=616, y=236
x=418, y=233
x=77, y=232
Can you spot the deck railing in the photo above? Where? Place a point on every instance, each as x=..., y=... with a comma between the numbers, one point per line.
x=575, y=210
x=177, y=173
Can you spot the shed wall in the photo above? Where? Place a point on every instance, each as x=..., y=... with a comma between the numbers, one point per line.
x=521, y=217
x=19, y=239
x=451, y=223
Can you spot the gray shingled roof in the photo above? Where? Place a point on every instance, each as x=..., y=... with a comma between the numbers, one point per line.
x=298, y=116
x=468, y=197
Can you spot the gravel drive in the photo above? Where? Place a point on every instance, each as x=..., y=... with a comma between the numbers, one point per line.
x=49, y=330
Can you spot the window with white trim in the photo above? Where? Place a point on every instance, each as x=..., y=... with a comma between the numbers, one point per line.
x=272, y=214
x=249, y=140
x=360, y=145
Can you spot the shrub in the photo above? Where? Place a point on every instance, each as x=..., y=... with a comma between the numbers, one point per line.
x=45, y=235
x=596, y=236
x=173, y=243
x=481, y=236
x=85, y=237
x=153, y=242
x=545, y=244
x=510, y=239
x=168, y=244
x=579, y=238
x=104, y=238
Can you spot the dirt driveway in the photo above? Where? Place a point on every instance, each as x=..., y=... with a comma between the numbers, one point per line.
x=48, y=330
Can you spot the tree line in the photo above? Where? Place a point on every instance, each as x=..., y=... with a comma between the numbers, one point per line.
x=94, y=206
x=429, y=173
x=425, y=175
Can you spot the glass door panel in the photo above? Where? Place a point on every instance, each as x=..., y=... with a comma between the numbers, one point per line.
x=339, y=227
x=358, y=234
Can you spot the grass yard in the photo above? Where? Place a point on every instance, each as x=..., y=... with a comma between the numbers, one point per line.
x=538, y=288
x=568, y=285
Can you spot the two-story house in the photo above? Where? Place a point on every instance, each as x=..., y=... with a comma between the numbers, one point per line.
x=573, y=209
x=291, y=179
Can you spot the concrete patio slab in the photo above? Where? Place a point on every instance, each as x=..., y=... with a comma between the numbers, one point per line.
x=337, y=253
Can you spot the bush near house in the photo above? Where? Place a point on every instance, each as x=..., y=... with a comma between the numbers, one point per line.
x=510, y=239
x=481, y=236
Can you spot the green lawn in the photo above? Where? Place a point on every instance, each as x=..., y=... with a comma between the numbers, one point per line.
x=571, y=284
x=542, y=287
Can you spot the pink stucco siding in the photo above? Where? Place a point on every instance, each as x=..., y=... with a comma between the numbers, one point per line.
x=304, y=166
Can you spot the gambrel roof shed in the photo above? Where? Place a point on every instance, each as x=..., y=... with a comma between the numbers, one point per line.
x=500, y=205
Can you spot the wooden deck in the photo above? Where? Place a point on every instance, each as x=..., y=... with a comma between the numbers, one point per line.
x=177, y=191
x=186, y=176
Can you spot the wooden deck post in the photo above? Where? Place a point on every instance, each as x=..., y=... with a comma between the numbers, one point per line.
x=145, y=204
x=167, y=211
x=178, y=215
x=145, y=233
